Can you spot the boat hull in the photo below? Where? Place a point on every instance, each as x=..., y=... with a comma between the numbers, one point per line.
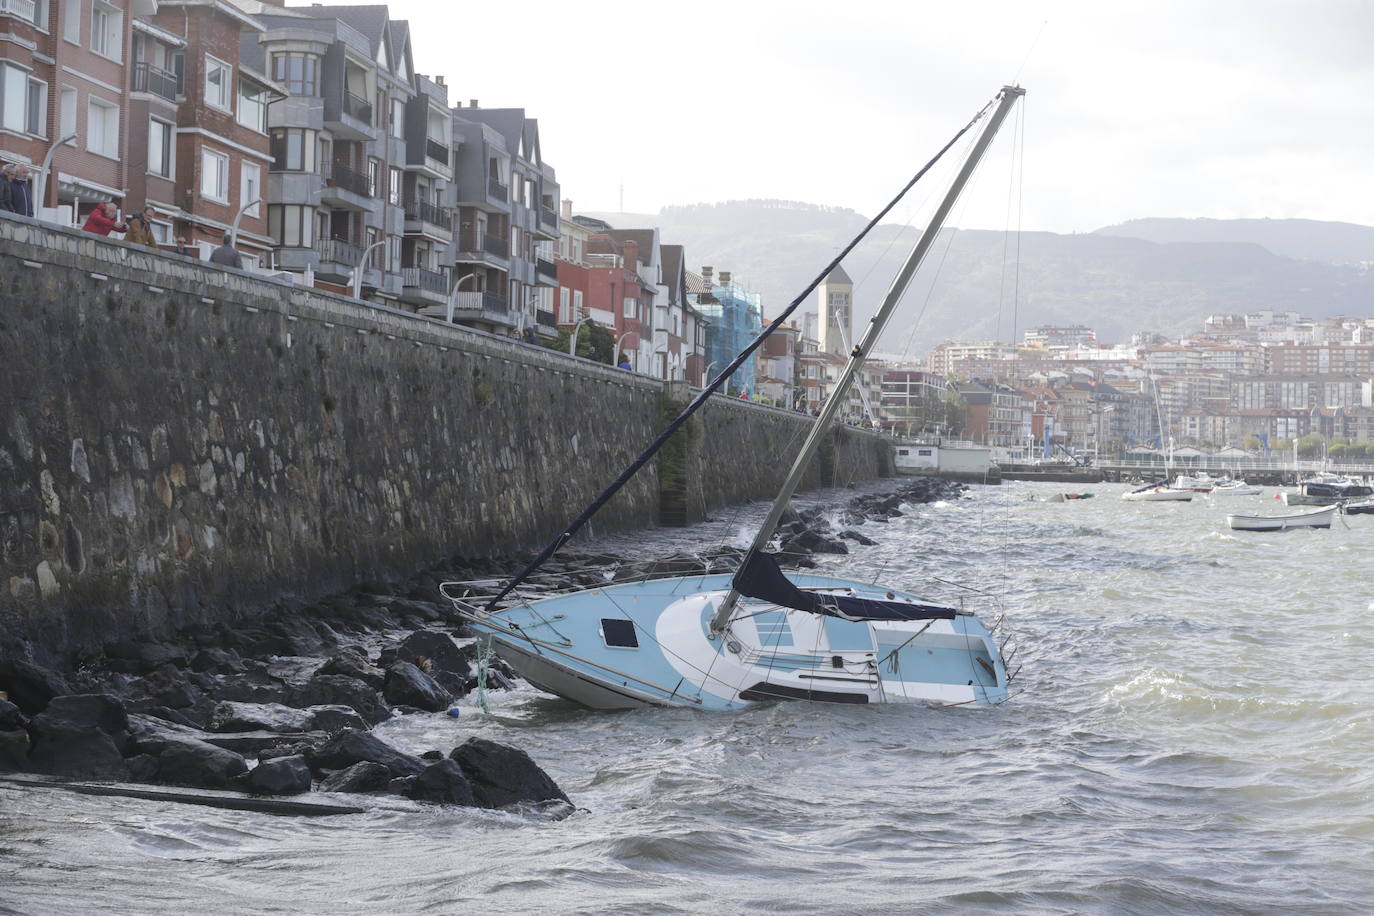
x=1158, y=494
x=1318, y=518
x=576, y=646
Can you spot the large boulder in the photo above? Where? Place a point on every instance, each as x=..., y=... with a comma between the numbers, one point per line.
x=352, y=746
x=407, y=685
x=281, y=776
x=83, y=736
x=352, y=663
x=440, y=657
x=443, y=783
x=340, y=690
x=12, y=717
x=190, y=762
x=271, y=717
x=133, y=657
x=503, y=775
x=14, y=750
x=30, y=687
x=332, y=719
x=214, y=660
x=363, y=776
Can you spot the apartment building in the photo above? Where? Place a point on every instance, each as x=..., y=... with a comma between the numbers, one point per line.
x=1291, y=392
x=422, y=189
x=1051, y=337
x=1308, y=359
x=779, y=366
x=64, y=74
x=984, y=358
x=913, y=400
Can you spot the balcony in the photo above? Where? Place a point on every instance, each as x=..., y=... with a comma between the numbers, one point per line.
x=22, y=9
x=358, y=108
x=347, y=187
x=546, y=320
x=148, y=78
x=548, y=217
x=338, y=252
x=497, y=191
x=421, y=285
x=546, y=269
x=419, y=211
x=437, y=151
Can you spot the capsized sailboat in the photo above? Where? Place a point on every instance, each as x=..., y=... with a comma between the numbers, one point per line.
x=724, y=641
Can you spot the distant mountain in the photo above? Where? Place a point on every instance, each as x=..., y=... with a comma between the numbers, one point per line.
x=992, y=285
x=1305, y=239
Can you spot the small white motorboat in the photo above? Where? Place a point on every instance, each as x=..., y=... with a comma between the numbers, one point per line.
x=1316, y=518
x=1157, y=492
x=1236, y=488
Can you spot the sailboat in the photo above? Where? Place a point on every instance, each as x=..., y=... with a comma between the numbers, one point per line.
x=1160, y=490
x=758, y=634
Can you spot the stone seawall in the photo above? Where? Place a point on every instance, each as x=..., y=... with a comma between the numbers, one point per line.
x=181, y=444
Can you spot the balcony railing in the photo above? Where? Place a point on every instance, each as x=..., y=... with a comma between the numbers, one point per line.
x=427, y=212
x=548, y=216
x=497, y=246
x=337, y=251
x=350, y=180
x=148, y=78
x=546, y=268
x=358, y=108
x=486, y=302
x=436, y=150
x=497, y=189
x=431, y=281
x=545, y=319
x=24, y=9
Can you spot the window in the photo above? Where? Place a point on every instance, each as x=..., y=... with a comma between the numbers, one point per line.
x=564, y=305
x=577, y=303
x=250, y=187
x=16, y=97
x=178, y=67
x=214, y=175
x=71, y=21
x=376, y=257
x=300, y=72
x=36, y=121
x=252, y=106
x=291, y=226
x=374, y=177
x=160, y=157
x=107, y=30
x=394, y=252
x=102, y=128
x=67, y=111
x=219, y=76
x=393, y=189
x=293, y=149
x=630, y=306
x=619, y=634
x=398, y=117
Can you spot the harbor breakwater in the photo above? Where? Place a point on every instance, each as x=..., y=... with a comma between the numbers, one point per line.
x=183, y=445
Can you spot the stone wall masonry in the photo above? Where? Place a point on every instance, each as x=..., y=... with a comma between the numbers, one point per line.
x=182, y=444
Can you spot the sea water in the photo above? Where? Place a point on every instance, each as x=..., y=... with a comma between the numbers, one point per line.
x=1192, y=731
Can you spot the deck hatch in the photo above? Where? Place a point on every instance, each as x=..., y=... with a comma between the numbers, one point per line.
x=619, y=634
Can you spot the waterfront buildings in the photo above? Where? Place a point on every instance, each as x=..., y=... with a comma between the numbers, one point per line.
x=734, y=318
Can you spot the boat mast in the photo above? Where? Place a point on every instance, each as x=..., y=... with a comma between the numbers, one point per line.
x=1007, y=98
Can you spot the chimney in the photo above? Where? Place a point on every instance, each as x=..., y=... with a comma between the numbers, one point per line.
x=631, y=255
x=472, y=103
x=706, y=274
x=439, y=81
x=725, y=278
x=566, y=211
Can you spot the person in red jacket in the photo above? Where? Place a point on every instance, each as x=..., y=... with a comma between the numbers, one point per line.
x=102, y=220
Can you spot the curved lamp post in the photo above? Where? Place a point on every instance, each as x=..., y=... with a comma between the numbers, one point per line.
x=618, y=341
x=234, y=229
x=453, y=295
x=42, y=188
x=572, y=338
x=358, y=271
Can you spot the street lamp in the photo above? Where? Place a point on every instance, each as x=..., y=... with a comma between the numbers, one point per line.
x=43, y=172
x=453, y=295
x=234, y=230
x=572, y=338
x=620, y=340
x=358, y=271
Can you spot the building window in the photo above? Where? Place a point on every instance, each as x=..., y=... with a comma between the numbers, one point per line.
x=299, y=72
x=293, y=149
x=23, y=101
x=564, y=305
x=394, y=252
x=250, y=187
x=219, y=76
x=375, y=256
x=160, y=157
x=374, y=177
x=291, y=226
x=107, y=30
x=252, y=106
x=398, y=117
x=393, y=190
x=577, y=303
x=102, y=128
x=214, y=175
x=630, y=307
x=71, y=21
x=37, y=115
x=67, y=111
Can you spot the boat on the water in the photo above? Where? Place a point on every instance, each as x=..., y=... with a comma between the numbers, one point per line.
x=1066, y=497
x=1314, y=518
x=1237, y=488
x=728, y=640
x=1327, y=490
x=1359, y=507
x=1159, y=491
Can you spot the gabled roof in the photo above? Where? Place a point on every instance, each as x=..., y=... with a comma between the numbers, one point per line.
x=838, y=276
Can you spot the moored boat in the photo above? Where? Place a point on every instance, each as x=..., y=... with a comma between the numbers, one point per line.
x=1315, y=518
x=1159, y=491
x=1237, y=488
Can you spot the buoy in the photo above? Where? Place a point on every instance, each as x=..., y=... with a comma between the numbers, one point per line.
x=454, y=712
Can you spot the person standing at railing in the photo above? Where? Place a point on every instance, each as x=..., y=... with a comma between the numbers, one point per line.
x=103, y=220
x=140, y=230
x=16, y=195
x=226, y=255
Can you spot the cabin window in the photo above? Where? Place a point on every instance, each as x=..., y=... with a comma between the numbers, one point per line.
x=902, y=451
x=925, y=452
x=619, y=634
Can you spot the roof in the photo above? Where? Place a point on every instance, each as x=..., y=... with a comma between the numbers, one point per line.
x=838, y=276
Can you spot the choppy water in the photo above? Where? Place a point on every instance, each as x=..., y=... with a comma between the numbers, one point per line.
x=1194, y=735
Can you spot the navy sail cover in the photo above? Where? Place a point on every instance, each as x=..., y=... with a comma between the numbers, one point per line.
x=761, y=578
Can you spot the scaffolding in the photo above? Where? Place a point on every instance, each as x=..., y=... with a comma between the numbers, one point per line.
x=735, y=317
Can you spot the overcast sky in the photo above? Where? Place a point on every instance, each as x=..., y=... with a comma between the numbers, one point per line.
x=1167, y=108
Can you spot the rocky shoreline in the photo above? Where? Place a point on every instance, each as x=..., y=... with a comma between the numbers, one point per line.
x=285, y=704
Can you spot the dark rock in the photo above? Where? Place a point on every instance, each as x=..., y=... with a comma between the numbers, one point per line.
x=272, y=717
x=162, y=712
x=217, y=661
x=190, y=762
x=339, y=690
x=333, y=719
x=442, y=783
x=169, y=686
x=351, y=746
x=30, y=687
x=364, y=776
x=502, y=775
x=83, y=735
x=143, y=768
x=282, y=776
x=401, y=785
x=87, y=710
x=142, y=657
x=352, y=663
x=851, y=535
x=150, y=735
x=256, y=743
x=14, y=750
x=312, y=742
x=11, y=717
x=448, y=664
x=415, y=607
x=432, y=756
x=406, y=684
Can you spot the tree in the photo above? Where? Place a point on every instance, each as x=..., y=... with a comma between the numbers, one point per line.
x=593, y=342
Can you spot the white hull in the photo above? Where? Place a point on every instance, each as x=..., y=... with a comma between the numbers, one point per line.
x=1318, y=518
x=1158, y=494
x=1237, y=489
